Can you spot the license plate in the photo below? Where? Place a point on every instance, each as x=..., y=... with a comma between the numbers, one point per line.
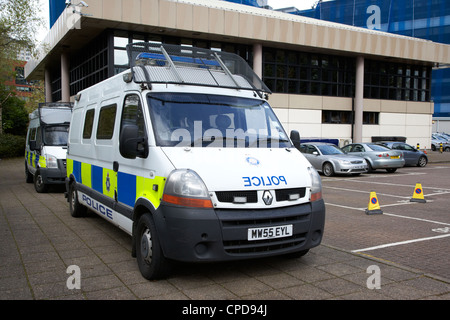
x=395, y=157
x=270, y=232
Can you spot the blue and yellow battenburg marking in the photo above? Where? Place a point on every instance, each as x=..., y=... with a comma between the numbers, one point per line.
x=129, y=187
x=34, y=160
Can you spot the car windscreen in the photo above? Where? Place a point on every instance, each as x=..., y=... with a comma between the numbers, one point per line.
x=205, y=120
x=56, y=135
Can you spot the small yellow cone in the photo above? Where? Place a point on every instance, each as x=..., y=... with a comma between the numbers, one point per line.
x=418, y=194
x=374, y=205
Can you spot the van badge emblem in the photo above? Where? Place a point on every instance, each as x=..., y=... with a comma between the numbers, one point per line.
x=252, y=161
x=108, y=182
x=267, y=197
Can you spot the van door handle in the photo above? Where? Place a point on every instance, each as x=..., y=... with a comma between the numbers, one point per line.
x=115, y=166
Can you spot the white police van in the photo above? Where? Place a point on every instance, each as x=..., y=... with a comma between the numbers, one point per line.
x=184, y=153
x=46, y=144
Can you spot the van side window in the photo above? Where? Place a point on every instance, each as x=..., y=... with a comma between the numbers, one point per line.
x=132, y=114
x=38, y=137
x=88, y=124
x=106, y=122
x=32, y=136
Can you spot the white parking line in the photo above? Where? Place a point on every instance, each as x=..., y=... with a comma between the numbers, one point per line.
x=391, y=214
x=400, y=243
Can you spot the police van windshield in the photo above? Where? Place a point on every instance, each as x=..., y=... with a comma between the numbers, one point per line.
x=203, y=120
x=56, y=135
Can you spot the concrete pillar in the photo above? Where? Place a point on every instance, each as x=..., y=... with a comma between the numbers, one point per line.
x=48, y=86
x=359, y=97
x=65, y=80
x=258, y=59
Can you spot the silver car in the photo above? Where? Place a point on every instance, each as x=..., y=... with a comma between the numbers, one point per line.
x=413, y=157
x=377, y=156
x=329, y=159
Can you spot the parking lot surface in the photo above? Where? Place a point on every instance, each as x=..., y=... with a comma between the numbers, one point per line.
x=401, y=254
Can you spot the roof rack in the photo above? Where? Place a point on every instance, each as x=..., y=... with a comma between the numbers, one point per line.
x=49, y=108
x=173, y=64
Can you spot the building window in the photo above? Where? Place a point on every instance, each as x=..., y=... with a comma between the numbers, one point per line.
x=346, y=117
x=308, y=73
x=395, y=81
x=89, y=66
x=337, y=117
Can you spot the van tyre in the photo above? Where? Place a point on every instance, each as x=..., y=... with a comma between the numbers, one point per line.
x=76, y=208
x=28, y=175
x=39, y=184
x=150, y=258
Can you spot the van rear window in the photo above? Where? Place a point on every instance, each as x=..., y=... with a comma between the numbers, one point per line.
x=106, y=122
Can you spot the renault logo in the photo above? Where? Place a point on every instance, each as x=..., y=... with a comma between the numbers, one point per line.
x=267, y=197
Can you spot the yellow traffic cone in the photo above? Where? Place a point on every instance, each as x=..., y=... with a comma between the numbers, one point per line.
x=418, y=194
x=374, y=205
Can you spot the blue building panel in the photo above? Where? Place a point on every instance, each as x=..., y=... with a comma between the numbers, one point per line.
x=425, y=19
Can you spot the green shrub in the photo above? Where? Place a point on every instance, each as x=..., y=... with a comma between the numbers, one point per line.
x=11, y=146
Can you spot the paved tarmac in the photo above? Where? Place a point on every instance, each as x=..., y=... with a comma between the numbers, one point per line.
x=40, y=241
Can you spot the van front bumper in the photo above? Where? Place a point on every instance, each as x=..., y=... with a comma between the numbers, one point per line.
x=54, y=175
x=206, y=235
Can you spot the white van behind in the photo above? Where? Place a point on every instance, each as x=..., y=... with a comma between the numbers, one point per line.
x=46, y=144
x=184, y=153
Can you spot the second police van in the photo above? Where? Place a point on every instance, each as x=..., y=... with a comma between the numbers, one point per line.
x=183, y=152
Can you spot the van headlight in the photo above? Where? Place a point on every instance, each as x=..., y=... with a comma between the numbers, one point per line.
x=316, y=185
x=52, y=161
x=185, y=188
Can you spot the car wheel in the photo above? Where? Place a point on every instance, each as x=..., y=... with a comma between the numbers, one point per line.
x=447, y=149
x=150, y=257
x=370, y=168
x=327, y=169
x=422, y=162
x=391, y=170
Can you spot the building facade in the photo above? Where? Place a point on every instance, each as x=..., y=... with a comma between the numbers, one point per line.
x=422, y=19
x=328, y=80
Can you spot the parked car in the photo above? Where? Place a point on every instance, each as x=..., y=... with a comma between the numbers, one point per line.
x=329, y=159
x=412, y=156
x=377, y=156
x=437, y=139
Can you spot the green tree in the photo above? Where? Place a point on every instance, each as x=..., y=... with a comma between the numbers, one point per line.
x=19, y=24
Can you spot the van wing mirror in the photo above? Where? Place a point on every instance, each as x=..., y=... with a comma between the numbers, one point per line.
x=32, y=145
x=130, y=144
x=295, y=138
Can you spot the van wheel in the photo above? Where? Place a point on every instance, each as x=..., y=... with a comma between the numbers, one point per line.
x=39, y=184
x=28, y=175
x=150, y=258
x=76, y=208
